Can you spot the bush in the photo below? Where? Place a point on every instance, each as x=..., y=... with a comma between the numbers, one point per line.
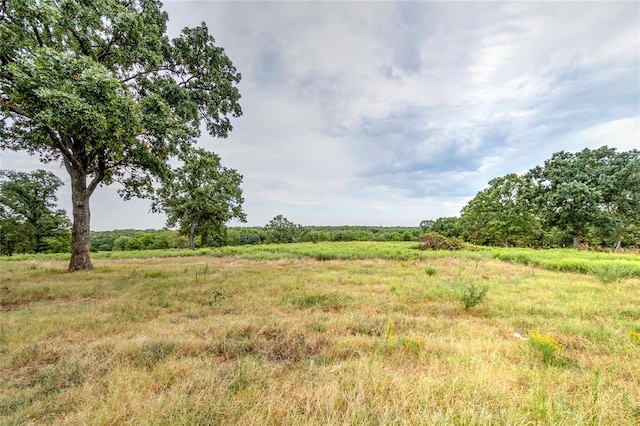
x=435, y=241
x=472, y=294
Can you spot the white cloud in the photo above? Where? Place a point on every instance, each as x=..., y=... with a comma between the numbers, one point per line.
x=393, y=112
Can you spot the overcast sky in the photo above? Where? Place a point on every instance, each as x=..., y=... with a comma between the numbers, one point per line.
x=387, y=113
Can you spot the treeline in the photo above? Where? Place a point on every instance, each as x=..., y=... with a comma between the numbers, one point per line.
x=129, y=239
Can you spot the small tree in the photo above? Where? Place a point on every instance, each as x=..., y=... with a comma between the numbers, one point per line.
x=282, y=230
x=201, y=196
x=27, y=210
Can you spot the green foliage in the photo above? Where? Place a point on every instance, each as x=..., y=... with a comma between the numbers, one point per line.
x=430, y=271
x=112, y=101
x=608, y=267
x=201, y=196
x=126, y=243
x=471, y=294
x=144, y=240
x=28, y=221
x=281, y=230
x=326, y=301
x=434, y=241
x=598, y=187
x=500, y=214
x=447, y=226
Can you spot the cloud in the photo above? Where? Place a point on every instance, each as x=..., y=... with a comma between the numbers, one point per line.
x=393, y=112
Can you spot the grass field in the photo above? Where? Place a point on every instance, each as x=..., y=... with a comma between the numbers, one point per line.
x=352, y=333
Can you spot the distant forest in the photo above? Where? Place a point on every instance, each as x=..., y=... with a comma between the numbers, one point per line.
x=129, y=239
x=151, y=239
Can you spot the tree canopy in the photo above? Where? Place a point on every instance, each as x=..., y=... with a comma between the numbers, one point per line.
x=595, y=191
x=28, y=214
x=201, y=196
x=99, y=87
x=500, y=214
x=282, y=230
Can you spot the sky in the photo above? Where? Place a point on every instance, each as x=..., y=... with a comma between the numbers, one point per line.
x=388, y=113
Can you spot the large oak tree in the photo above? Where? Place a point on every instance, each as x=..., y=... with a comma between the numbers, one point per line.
x=594, y=187
x=98, y=86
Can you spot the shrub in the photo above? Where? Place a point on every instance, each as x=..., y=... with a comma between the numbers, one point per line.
x=471, y=294
x=435, y=241
x=430, y=271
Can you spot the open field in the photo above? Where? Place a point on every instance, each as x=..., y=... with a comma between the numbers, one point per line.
x=355, y=333
x=606, y=266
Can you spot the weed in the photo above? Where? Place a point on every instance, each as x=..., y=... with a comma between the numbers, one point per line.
x=325, y=256
x=156, y=274
x=430, y=271
x=204, y=272
x=60, y=376
x=471, y=294
x=151, y=353
x=540, y=397
x=547, y=347
x=325, y=301
x=239, y=378
x=319, y=327
x=634, y=335
x=595, y=395
x=214, y=298
x=401, y=343
x=368, y=327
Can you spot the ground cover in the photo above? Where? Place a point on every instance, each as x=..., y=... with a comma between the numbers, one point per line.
x=283, y=335
x=606, y=266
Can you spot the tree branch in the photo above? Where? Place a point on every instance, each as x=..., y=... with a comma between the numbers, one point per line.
x=37, y=34
x=66, y=153
x=81, y=42
x=16, y=109
x=136, y=75
x=99, y=176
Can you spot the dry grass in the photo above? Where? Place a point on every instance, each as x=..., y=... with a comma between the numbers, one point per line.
x=204, y=340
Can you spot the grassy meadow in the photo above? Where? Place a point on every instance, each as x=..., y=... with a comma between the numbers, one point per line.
x=316, y=334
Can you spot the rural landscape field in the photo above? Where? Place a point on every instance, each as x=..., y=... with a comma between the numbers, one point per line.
x=328, y=333
x=383, y=239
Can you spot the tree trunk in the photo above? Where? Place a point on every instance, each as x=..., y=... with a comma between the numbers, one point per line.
x=192, y=236
x=576, y=239
x=80, y=255
x=616, y=248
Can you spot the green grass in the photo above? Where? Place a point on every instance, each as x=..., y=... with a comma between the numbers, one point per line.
x=608, y=267
x=281, y=335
